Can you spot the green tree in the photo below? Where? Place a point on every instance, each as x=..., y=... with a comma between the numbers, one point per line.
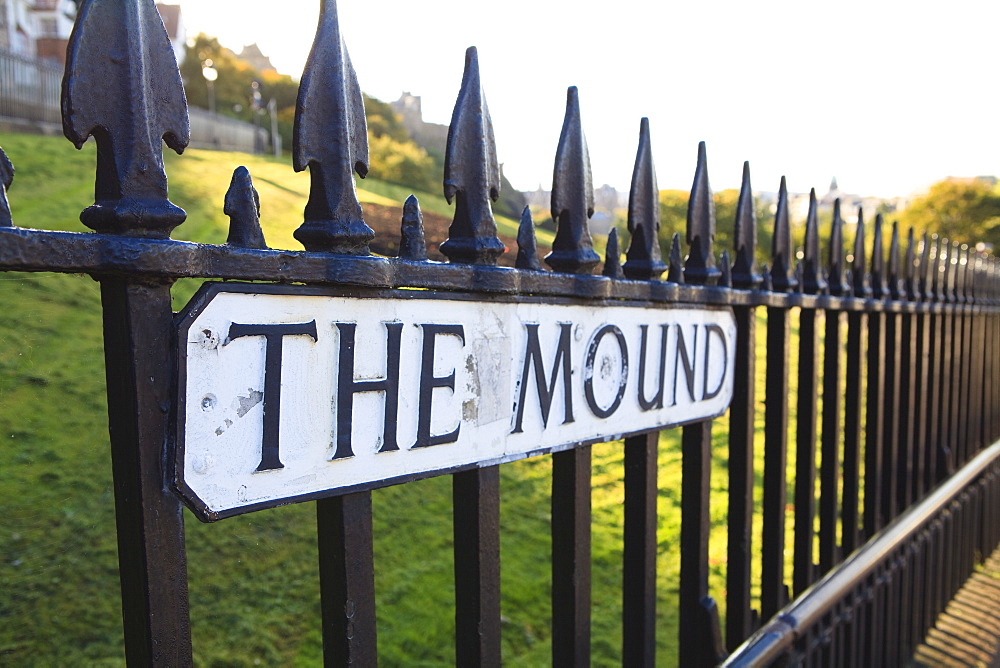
x=962, y=209
x=673, y=219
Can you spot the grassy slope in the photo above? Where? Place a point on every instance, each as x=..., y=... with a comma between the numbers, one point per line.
x=253, y=581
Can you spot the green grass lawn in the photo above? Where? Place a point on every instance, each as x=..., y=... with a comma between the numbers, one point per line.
x=253, y=580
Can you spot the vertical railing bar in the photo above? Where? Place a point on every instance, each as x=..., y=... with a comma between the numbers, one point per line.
x=890, y=417
x=347, y=579
x=873, y=518
x=857, y=325
x=572, y=252
x=138, y=352
x=640, y=547
x=831, y=443
x=698, y=626
x=833, y=402
x=643, y=262
x=805, y=458
x=741, y=481
x=773, y=589
x=476, y=501
x=742, y=427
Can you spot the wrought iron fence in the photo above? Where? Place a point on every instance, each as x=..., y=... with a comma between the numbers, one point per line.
x=907, y=478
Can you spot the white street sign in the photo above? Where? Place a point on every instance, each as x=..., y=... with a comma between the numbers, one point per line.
x=292, y=393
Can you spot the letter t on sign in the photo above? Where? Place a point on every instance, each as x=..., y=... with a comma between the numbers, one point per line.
x=274, y=336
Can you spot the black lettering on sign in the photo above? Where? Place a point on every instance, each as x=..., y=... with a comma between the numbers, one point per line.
x=657, y=400
x=273, y=337
x=428, y=382
x=688, y=361
x=347, y=386
x=589, y=371
x=533, y=355
x=709, y=330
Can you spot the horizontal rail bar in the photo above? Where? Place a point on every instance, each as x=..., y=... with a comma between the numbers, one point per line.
x=23, y=249
x=793, y=621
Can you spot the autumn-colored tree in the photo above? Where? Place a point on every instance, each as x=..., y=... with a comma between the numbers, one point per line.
x=966, y=210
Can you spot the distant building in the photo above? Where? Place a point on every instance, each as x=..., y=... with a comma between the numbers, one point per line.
x=37, y=28
x=172, y=21
x=798, y=205
x=40, y=29
x=253, y=56
x=432, y=136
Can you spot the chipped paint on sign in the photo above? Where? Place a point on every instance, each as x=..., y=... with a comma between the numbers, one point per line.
x=293, y=393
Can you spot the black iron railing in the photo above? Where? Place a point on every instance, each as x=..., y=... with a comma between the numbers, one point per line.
x=896, y=468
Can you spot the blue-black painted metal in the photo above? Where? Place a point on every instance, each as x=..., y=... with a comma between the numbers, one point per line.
x=331, y=140
x=920, y=334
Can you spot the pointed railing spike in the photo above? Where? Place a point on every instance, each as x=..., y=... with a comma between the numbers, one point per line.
x=836, y=274
x=612, y=257
x=880, y=288
x=527, y=245
x=893, y=272
x=243, y=208
x=643, y=261
x=412, y=245
x=926, y=277
x=944, y=270
x=860, y=286
x=782, y=278
x=812, y=272
x=726, y=277
x=700, y=267
x=675, y=263
x=472, y=174
x=962, y=276
x=331, y=139
x=6, y=178
x=745, y=237
x=572, y=196
x=910, y=287
x=952, y=272
x=122, y=87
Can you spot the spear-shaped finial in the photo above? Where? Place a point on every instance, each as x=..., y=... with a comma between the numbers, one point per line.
x=612, y=256
x=925, y=282
x=572, y=196
x=812, y=274
x=643, y=261
x=859, y=273
x=962, y=275
x=726, y=277
x=910, y=287
x=6, y=178
x=896, y=289
x=700, y=267
x=745, y=243
x=879, y=286
x=944, y=272
x=527, y=245
x=782, y=278
x=836, y=273
x=121, y=86
x=411, y=232
x=331, y=139
x=675, y=263
x=243, y=208
x=472, y=174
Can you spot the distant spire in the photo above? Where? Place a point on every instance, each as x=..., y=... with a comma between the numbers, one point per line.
x=833, y=185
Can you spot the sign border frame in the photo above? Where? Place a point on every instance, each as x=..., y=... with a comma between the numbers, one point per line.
x=207, y=292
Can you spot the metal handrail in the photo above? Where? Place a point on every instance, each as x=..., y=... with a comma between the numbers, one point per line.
x=796, y=618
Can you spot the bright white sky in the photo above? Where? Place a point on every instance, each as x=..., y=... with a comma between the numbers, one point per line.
x=886, y=95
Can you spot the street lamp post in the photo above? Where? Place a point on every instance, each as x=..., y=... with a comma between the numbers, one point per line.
x=211, y=74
